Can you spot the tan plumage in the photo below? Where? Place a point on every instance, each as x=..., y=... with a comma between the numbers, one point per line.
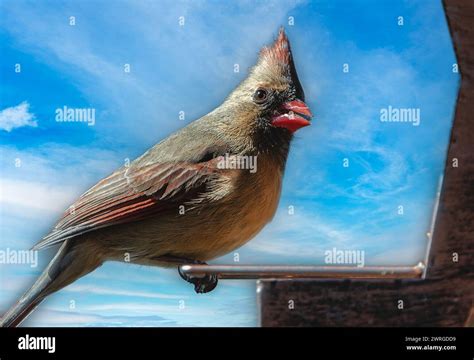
x=175, y=203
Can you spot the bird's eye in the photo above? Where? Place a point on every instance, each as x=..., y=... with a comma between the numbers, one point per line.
x=260, y=96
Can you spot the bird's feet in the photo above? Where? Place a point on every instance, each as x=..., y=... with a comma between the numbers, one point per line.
x=202, y=284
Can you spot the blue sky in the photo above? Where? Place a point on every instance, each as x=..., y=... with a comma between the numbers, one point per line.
x=190, y=68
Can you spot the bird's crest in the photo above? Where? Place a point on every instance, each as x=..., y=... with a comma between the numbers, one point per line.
x=279, y=52
x=278, y=57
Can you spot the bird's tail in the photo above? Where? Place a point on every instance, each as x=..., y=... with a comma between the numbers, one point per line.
x=63, y=269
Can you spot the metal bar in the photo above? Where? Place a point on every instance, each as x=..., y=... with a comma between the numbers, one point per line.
x=304, y=272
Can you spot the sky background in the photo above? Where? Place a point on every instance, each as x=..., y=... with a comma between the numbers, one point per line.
x=190, y=68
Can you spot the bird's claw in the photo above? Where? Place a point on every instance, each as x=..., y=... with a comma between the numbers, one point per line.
x=202, y=284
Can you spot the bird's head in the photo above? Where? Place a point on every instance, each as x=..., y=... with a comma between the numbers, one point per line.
x=271, y=98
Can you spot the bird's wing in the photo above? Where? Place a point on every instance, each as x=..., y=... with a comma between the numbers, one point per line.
x=131, y=194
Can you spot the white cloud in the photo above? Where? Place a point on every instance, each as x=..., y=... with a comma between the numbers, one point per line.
x=141, y=308
x=100, y=290
x=51, y=318
x=315, y=235
x=46, y=178
x=35, y=196
x=16, y=117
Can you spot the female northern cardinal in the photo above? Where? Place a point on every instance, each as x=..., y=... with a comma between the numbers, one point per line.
x=176, y=203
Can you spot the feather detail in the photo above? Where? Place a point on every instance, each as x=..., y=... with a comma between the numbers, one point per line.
x=132, y=194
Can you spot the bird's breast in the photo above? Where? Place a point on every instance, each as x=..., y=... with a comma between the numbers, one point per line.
x=239, y=216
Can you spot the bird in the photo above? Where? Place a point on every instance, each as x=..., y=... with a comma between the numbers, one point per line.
x=179, y=203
